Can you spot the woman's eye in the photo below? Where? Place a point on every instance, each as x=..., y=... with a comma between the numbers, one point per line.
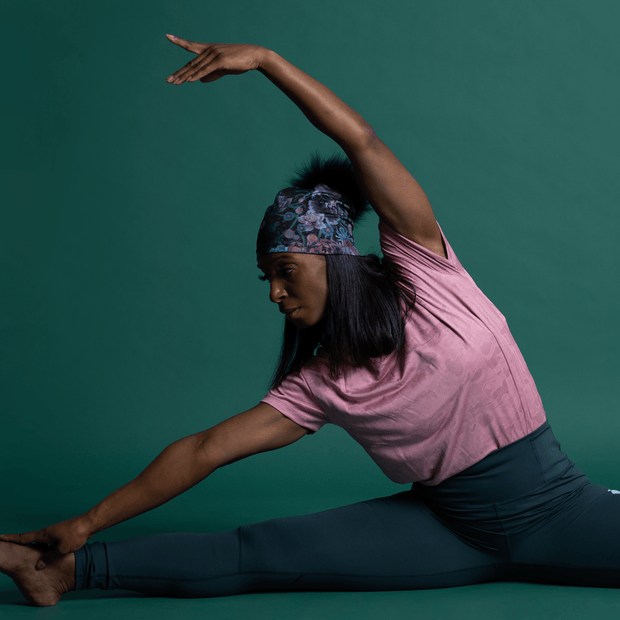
x=282, y=273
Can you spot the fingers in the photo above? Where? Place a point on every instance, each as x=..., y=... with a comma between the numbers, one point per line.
x=24, y=539
x=8, y=537
x=47, y=558
x=195, y=68
x=207, y=71
x=29, y=538
x=190, y=46
x=180, y=76
x=54, y=553
x=178, y=41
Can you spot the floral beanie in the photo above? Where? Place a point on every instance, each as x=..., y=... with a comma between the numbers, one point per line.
x=314, y=221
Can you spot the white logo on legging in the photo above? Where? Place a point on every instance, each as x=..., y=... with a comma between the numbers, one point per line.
x=613, y=491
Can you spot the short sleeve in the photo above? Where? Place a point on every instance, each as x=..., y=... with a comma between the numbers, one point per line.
x=294, y=399
x=417, y=266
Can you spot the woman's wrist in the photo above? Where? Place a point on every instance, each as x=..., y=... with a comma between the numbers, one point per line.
x=267, y=60
x=107, y=513
x=86, y=524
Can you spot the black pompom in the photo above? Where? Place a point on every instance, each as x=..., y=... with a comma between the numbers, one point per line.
x=337, y=173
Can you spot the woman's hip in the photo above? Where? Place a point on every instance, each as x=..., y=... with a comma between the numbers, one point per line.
x=511, y=492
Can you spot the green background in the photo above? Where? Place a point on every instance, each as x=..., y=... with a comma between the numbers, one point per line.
x=130, y=311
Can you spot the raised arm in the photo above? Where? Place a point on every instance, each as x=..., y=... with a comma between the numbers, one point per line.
x=179, y=467
x=391, y=190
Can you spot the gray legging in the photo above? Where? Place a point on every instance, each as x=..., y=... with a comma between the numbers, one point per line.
x=523, y=513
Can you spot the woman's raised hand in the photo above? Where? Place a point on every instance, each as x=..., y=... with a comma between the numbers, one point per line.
x=64, y=537
x=215, y=60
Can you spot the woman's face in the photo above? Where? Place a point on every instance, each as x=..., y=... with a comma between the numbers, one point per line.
x=298, y=284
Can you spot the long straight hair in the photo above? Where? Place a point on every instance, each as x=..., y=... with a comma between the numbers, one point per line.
x=365, y=318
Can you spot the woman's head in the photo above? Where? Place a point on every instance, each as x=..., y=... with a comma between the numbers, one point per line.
x=329, y=293
x=311, y=219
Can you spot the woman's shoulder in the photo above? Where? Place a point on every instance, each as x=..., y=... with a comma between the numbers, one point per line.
x=393, y=242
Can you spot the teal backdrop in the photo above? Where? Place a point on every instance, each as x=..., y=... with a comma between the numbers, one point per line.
x=131, y=314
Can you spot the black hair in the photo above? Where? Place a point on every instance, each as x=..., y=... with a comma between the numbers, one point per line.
x=338, y=174
x=366, y=309
x=365, y=318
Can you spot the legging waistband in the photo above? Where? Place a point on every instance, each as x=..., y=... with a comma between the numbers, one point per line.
x=518, y=469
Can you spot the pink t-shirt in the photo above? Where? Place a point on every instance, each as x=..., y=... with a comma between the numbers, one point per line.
x=461, y=391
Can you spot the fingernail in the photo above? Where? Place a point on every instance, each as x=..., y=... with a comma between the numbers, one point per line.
x=170, y=78
x=41, y=565
x=172, y=36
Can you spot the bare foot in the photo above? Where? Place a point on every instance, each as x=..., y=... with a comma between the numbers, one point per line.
x=41, y=587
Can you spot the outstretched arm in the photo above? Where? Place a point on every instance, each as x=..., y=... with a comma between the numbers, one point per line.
x=391, y=190
x=179, y=467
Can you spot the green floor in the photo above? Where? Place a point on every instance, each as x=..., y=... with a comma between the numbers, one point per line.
x=494, y=600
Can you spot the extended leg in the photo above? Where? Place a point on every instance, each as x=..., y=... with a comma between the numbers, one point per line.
x=383, y=544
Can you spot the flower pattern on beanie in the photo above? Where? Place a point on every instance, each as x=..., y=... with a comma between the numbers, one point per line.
x=316, y=221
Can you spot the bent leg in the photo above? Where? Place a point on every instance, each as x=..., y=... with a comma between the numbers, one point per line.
x=580, y=546
x=390, y=543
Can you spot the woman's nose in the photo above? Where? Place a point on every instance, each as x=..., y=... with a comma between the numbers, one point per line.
x=276, y=292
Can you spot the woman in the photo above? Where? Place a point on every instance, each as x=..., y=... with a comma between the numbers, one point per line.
x=410, y=358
